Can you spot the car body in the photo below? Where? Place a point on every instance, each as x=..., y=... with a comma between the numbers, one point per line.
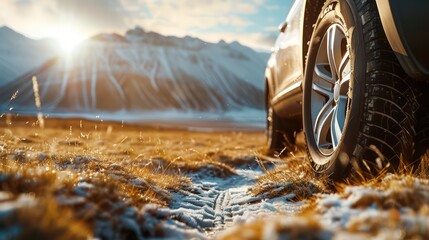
x=285, y=69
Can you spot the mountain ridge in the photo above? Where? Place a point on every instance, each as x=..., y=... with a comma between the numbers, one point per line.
x=19, y=54
x=145, y=71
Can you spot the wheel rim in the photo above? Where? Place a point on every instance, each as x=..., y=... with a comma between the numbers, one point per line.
x=330, y=90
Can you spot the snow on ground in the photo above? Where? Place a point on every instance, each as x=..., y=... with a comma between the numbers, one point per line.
x=211, y=204
x=214, y=203
x=115, y=218
x=228, y=195
x=219, y=204
x=394, y=207
x=127, y=183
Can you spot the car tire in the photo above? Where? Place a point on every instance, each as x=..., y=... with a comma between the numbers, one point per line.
x=364, y=122
x=422, y=123
x=280, y=133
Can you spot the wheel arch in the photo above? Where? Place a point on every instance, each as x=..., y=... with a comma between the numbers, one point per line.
x=409, y=45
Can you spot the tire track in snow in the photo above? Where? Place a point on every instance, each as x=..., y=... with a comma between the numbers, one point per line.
x=213, y=204
x=223, y=213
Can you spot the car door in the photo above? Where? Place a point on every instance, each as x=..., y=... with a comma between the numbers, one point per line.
x=288, y=54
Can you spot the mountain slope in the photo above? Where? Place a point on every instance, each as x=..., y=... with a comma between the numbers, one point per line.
x=19, y=54
x=145, y=71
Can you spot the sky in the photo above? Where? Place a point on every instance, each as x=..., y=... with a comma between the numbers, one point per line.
x=251, y=22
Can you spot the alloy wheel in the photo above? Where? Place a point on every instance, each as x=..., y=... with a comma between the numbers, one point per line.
x=330, y=90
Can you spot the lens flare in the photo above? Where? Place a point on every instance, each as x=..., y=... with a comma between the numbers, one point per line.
x=68, y=40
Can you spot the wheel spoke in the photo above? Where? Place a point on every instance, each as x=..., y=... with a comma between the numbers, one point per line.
x=336, y=130
x=323, y=91
x=322, y=123
x=323, y=129
x=323, y=73
x=334, y=38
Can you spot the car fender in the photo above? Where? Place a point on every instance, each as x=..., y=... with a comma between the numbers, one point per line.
x=406, y=28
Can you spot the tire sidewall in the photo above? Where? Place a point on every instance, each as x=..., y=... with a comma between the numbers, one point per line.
x=345, y=14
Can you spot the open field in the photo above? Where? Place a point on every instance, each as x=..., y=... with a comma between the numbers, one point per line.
x=76, y=179
x=103, y=172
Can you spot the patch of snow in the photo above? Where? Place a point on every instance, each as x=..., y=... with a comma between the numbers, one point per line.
x=212, y=203
x=8, y=204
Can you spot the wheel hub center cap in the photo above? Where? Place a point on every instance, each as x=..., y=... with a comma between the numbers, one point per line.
x=337, y=92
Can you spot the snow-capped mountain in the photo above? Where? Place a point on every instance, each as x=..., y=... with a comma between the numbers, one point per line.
x=145, y=71
x=19, y=54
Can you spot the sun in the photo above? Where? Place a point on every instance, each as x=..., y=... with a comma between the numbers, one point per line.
x=68, y=40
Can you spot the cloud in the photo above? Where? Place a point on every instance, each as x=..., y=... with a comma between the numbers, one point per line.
x=40, y=17
x=189, y=15
x=95, y=14
x=210, y=20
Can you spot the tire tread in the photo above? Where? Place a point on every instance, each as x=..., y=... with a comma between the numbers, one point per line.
x=387, y=93
x=422, y=124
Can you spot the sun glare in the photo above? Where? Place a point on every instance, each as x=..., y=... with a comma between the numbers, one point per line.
x=68, y=41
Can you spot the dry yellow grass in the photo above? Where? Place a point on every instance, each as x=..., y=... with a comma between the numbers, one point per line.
x=293, y=175
x=92, y=172
x=99, y=170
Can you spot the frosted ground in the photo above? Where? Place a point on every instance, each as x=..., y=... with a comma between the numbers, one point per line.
x=393, y=207
x=114, y=181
